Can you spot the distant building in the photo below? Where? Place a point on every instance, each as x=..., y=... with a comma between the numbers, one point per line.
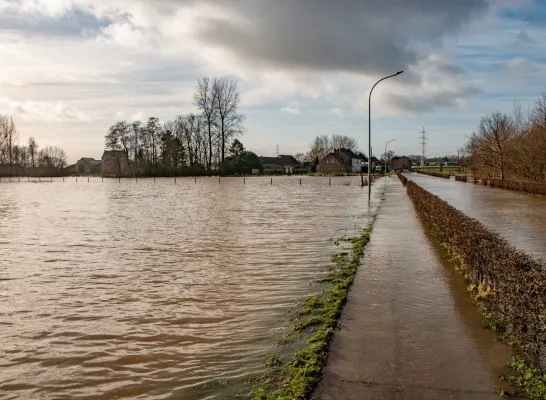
x=115, y=163
x=11, y=170
x=333, y=162
x=88, y=166
x=348, y=160
x=283, y=164
x=400, y=162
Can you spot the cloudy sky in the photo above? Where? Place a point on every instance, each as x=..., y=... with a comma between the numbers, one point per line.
x=71, y=68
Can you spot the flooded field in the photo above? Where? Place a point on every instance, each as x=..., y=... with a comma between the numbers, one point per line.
x=519, y=217
x=158, y=290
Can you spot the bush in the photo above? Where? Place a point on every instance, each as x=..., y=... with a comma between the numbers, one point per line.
x=436, y=174
x=402, y=178
x=461, y=178
x=523, y=186
x=514, y=281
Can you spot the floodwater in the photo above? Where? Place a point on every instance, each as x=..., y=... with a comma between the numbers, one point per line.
x=158, y=290
x=519, y=217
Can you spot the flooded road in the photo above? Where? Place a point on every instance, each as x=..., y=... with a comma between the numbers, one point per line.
x=158, y=290
x=519, y=217
x=409, y=330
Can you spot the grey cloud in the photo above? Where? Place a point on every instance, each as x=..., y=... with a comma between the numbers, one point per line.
x=524, y=38
x=352, y=35
x=420, y=103
x=75, y=22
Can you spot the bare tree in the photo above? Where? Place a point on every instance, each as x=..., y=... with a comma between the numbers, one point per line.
x=9, y=138
x=226, y=96
x=489, y=146
x=32, y=151
x=52, y=157
x=206, y=103
x=300, y=157
x=344, y=142
x=319, y=148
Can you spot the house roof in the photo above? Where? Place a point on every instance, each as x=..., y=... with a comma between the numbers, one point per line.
x=282, y=159
x=334, y=155
x=351, y=154
x=112, y=152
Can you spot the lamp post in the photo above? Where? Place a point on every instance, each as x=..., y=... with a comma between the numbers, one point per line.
x=386, y=144
x=370, y=134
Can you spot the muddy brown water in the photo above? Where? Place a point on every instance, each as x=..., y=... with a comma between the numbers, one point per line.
x=519, y=217
x=158, y=290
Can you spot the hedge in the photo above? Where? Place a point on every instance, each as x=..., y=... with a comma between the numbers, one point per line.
x=402, y=178
x=513, y=282
x=436, y=174
x=461, y=178
x=523, y=186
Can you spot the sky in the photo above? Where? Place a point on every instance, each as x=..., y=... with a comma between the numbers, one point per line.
x=69, y=69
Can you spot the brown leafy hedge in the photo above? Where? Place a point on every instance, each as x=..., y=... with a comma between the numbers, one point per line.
x=402, y=178
x=523, y=186
x=513, y=283
x=461, y=178
x=436, y=174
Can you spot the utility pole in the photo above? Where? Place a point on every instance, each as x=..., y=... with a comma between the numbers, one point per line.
x=277, y=149
x=423, y=146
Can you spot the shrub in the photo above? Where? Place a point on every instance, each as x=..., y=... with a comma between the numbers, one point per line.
x=515, y=282
x=523, y=186
x=402, y=178
x=436, y=174
x=461, y=178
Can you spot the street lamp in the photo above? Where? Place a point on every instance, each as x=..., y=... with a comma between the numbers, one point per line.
x=370, y=134
x=386, y=144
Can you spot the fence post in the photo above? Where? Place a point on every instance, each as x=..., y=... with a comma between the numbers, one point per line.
x=119, y=179
x=175, y=179
x=218, y=179
x=76, y=179
x=330, y=182
x=102, y=178
x=87, y=179
x=19, y=179
x=244, y=181
x=63, y=178
x=50, y=179
x=300, y=182
x=28, y=178
x=272, y=181
x=40, y=179
x=195, y=179
x=154, y=179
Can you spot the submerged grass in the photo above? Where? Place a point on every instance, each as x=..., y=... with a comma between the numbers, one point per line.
x=319, y=314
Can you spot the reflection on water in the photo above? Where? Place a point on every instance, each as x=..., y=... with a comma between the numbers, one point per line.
x=519, y=217
x=143, y=290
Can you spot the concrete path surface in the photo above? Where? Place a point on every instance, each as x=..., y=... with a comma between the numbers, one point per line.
x=409, y=330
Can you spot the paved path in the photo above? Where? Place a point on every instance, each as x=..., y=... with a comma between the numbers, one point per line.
x=408, y=330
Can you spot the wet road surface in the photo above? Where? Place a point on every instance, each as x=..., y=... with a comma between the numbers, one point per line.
x=409, y=330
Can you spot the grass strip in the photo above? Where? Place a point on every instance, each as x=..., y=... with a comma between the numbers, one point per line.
x=319, y=313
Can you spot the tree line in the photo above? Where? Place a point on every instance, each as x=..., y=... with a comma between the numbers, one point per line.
x=510, y=146
x=192, y=143
x=29, y=156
